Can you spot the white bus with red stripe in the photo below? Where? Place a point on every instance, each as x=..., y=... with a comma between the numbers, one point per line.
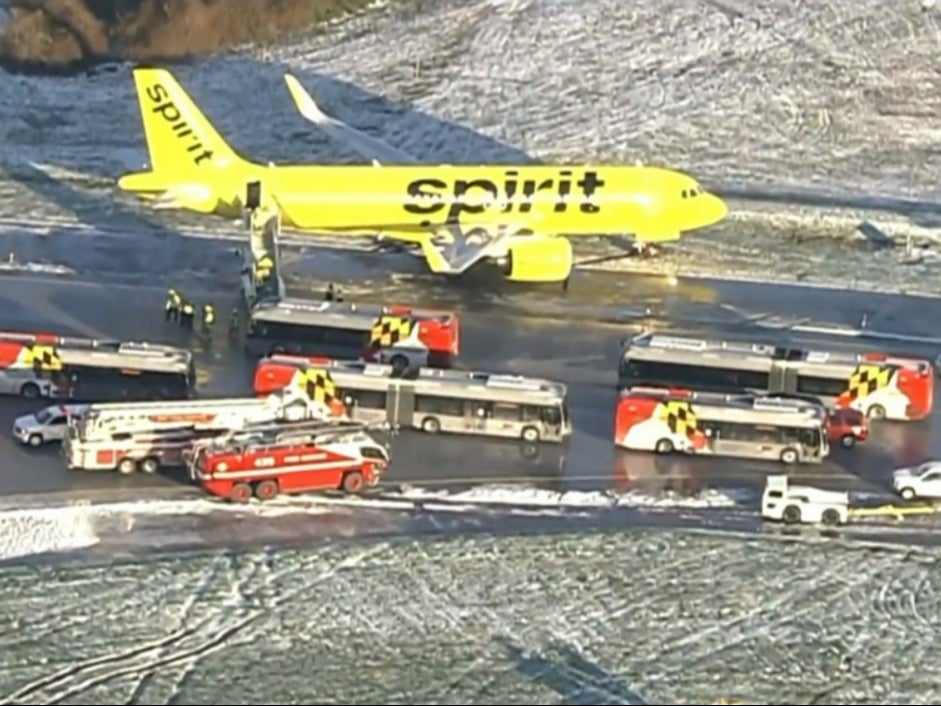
x=878, y=385
x=431, y=399
x=743, y=426
x=147, y=436
x=426, y=337
x=344, y=458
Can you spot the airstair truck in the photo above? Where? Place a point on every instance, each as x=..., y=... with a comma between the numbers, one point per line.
x=261, y=264
x=147, y=436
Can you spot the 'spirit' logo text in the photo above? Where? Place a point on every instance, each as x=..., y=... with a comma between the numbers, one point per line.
x=168, y=110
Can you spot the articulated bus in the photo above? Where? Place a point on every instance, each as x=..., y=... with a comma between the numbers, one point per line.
x=879, y=386
x=743, y=426
x=432, y=400
x=81, y=369
x=395, y=335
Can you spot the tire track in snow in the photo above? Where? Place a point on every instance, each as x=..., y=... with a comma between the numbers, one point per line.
x=186, y=646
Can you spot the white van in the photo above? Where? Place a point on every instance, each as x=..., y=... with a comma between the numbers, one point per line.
x=801, y=504
x=47, y=425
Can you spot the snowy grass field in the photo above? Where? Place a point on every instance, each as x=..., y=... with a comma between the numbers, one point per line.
x=831, y=96
x=830, y=103
x=50, y=527
x=626, y=617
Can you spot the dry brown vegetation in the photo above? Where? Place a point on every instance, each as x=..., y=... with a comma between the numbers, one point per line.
x=63, y=35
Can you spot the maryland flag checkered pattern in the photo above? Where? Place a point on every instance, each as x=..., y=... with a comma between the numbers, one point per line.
x=42, y=356
x=318, y=385
x=389, y=330
x=680, y=418
x=868, y=378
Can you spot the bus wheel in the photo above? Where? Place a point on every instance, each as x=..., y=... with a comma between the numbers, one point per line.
x=530, y=434
x=664, y=446
x=789, y=456
x=399, y=364
x=431, y=425
x=30, y=391
x=240, y=493
x=353, y=482
x=267, y=490
x=126, y=466
x=791, y=515
x=877, y=411
x=150, y=465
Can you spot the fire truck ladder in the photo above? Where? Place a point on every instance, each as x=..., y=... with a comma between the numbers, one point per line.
x=277, y=433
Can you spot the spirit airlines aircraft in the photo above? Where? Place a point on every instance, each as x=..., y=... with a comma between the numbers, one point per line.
x=459, y=215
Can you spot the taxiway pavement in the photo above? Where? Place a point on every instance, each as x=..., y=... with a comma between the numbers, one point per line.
x=522, y=332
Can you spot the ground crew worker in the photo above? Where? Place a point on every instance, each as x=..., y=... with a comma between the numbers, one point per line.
x=172, y=307
x=329, y=295
x=187, y=313
x=263, y=268
x=234, y=320
x=209, y=318
x=339, y=295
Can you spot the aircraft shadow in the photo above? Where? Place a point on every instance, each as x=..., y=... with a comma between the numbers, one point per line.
x=576, y=680
x=89, y=123
x=924, y=213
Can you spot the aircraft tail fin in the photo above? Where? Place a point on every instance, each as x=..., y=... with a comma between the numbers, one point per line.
x=372, y=148
x=180, y=139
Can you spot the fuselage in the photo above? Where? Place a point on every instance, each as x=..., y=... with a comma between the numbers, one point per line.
x=648, y=202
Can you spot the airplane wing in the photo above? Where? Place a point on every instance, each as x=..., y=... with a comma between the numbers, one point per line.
x=454, y=249
x=373, y=149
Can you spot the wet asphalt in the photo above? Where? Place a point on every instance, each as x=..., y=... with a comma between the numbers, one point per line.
x=573, y=338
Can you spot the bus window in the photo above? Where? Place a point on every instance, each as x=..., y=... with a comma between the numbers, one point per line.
x=753, y=380
x=825, y=387
x=809, y=437
x=550, y=415
x=505, y=411
x=344, y=337
x=433, y=404
x=640, y=372
x=368, y=399
x=91, y=383
x=531, y=413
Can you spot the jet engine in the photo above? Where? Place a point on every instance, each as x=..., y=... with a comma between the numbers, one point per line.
x=538, y=259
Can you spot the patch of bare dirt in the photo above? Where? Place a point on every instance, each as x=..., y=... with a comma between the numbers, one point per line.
x=67, y=35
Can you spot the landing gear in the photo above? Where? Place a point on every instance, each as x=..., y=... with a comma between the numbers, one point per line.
x=646, y=250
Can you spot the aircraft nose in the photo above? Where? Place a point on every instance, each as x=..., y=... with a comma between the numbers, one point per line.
x=714, y=209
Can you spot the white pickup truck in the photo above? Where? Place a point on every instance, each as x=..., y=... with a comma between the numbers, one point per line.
x=801, y=504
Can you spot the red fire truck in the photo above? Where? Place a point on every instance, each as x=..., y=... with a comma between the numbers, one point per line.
x=325, y=456
x=398, y=335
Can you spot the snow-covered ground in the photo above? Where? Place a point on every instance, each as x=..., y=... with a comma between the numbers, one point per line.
x=64, y=528
x=613, y=618
x=829, y=96
x=828, y=103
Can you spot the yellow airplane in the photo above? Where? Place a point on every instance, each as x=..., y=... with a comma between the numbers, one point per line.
x=517, y=216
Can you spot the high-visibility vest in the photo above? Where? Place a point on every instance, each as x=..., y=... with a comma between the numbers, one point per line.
x=188, y=308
